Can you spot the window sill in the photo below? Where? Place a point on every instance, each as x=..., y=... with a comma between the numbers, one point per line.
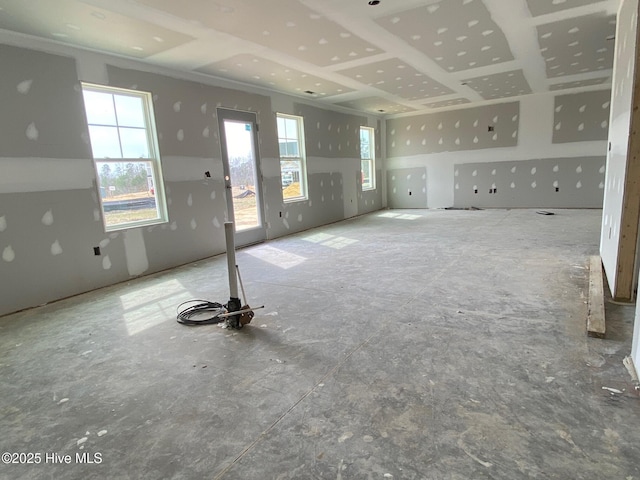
x=296, y=199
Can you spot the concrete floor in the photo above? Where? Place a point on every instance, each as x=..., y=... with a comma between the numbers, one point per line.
x=403, y=344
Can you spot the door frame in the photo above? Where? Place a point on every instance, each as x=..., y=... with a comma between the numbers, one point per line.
x=255, y=234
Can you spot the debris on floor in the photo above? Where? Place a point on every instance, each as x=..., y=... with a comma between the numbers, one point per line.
x=613, y=391
x=544, y=212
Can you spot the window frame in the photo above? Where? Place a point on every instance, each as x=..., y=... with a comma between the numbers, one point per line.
x=371, y=160
x=301, y=157
x=153, y=158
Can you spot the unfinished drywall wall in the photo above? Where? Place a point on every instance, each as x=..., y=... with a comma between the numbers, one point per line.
x=581, y=117
x=46, y=183
x=50, y=220
x=407, y=188
x=548, y=182
x=624, y=79
x=332, y=142
x=479, y=139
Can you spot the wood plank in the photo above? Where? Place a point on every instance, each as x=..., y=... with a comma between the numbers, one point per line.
x=630, y=217
x=595, y=317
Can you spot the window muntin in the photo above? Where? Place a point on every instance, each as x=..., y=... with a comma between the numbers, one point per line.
x=367, y=158
x=293, y=175
x=125, y=153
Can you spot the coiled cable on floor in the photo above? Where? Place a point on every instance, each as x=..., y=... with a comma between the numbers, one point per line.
x=202, y=313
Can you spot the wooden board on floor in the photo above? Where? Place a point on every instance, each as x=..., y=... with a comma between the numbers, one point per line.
x=595, y=316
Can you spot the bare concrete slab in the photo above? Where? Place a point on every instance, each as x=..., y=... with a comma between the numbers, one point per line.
x=404, y=344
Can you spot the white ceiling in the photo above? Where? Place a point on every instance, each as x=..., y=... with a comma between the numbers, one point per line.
x=399, y=56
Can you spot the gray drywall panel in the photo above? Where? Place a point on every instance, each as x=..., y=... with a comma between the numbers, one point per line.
x=330, y=134
x=471, y=38
x=581, y=117
x=43, y=111
x=185, y=111
x=574, y=46
x=46, y=247
x=456, y=130
x=371, y=200
x=197, y=212
x=407, y=188
x=546, y=7
x=325, y=205
x=624, y=77
x=47, y=241
x=531, y=183
x=500, y=85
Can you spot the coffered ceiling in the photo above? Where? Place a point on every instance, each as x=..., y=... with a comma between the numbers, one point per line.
x=395, y=57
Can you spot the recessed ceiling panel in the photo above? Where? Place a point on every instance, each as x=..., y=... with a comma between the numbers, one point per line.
x=88, y=26
x=577, y=45
x=376, y=105
x=545, y=7
x=272, y=75
x=398, y=78
x=287, y=26
x=579, y=83
x=448, y=103
x=500, y=85
x=457, y=34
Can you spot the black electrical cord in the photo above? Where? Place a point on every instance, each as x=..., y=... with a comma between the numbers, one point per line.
x=195, y=314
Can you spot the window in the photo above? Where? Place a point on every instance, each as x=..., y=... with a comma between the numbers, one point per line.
x=293, y=169
x=367, y=158
x=125, y=154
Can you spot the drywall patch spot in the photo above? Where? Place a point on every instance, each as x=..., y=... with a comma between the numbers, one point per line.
x=205, y=132
x=579, y=184
x=601, y=186
x=180, y=135
x=534, y=170
x=203, y=108
x=556, y=169
x=285, y=223
x=190, y=200
x=32, y=132
x=513, y=185
x=106, y=263
x=601, y=171
x=513, y=169
x=194, y=224
x=534, y=184
x=96, y=215
x=579, y=169
x=24, y=86
x=47, y=218
x=8, y=255
x=3, y=223
x=474, y=173
x=300, y=217
x=135, y=252
x=173, y=226
x=56, y=248
x=177, y=106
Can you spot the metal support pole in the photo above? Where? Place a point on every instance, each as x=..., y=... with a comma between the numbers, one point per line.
x=234, y=302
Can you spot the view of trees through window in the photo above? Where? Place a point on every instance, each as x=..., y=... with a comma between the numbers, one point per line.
x=125, y=155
